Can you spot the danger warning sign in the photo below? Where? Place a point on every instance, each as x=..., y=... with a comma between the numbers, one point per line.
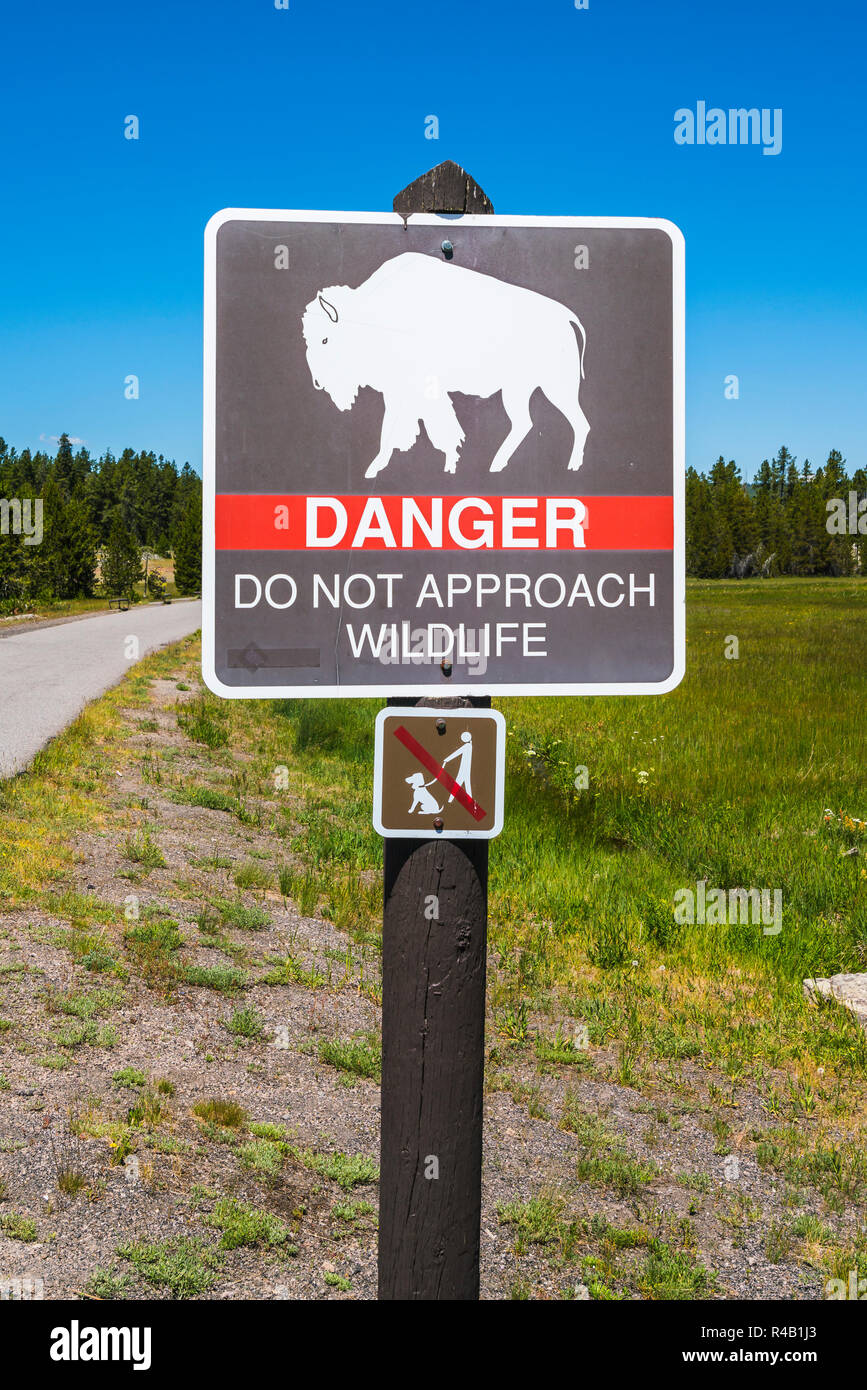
x=442, y=472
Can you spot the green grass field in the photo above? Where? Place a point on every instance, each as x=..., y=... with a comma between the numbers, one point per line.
x=728, y=779
x=750, y=775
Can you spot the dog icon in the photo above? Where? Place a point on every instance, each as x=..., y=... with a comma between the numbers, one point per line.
x=421, y=797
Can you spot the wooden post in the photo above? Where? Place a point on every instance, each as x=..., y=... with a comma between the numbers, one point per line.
x=434, y=946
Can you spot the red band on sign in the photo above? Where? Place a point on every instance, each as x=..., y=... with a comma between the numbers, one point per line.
x=428, y=761
x=272, y=521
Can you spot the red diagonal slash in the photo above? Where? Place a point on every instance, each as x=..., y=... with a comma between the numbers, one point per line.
x=439, y=773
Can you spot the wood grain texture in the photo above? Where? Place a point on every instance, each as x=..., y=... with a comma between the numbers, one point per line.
x=433, y=1034
x=433, y=1001
x=447, y=188
x=433, y=1050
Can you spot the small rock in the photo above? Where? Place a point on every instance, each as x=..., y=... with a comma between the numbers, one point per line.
x=848, y=989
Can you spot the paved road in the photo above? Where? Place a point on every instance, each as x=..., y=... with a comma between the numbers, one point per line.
x=47, y=676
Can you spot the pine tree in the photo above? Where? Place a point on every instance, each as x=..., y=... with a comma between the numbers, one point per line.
x=833, y=478
x=188, y=550
x=805, y=514
x=64, y=472
x=121, y=563
x=832, y=482
x=62, y=566
x=701, y=526
x=782, y=471
x=736, y=529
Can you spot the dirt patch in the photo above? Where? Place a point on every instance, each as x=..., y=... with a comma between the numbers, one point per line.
x=160, y=998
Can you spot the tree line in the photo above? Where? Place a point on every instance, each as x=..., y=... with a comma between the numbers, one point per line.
x=104, y=513
x=95, y=514
x=789, y=520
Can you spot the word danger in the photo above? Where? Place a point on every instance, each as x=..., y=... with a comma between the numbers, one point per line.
x=409, y=523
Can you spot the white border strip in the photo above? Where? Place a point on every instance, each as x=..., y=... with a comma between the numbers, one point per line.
x=445, y=687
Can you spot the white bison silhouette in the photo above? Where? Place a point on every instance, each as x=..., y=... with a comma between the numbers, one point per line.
x=419, y=328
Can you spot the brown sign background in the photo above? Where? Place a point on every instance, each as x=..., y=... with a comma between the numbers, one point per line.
x=269, y=432
x=395, y=762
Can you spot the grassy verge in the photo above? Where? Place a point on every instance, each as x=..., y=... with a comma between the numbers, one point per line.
x=750, y=775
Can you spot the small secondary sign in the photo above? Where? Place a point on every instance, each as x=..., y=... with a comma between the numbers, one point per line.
x=439, y=774
x=442, y=455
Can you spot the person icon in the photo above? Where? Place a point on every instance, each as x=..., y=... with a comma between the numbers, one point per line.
x=464, y=754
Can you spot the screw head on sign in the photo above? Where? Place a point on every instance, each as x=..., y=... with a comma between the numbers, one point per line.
x=438, y=823
x=448, y=250
x=441, y=726
x=446, y=667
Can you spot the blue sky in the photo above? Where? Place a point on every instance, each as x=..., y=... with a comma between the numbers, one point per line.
x=552, y=109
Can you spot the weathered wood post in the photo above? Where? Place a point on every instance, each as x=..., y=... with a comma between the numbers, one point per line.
x=434, y=943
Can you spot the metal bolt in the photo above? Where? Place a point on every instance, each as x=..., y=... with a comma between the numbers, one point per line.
x=446, y=667
x=441, y=726
x=448, y=250
x=438, y=823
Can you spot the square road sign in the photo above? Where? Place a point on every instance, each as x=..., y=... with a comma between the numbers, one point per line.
x=439, y=774
x=442, y=455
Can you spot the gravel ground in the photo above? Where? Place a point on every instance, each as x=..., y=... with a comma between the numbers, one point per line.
x=278, y=1079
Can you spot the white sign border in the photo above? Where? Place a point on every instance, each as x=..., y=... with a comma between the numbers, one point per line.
x=426, y=711
x=447, y=686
